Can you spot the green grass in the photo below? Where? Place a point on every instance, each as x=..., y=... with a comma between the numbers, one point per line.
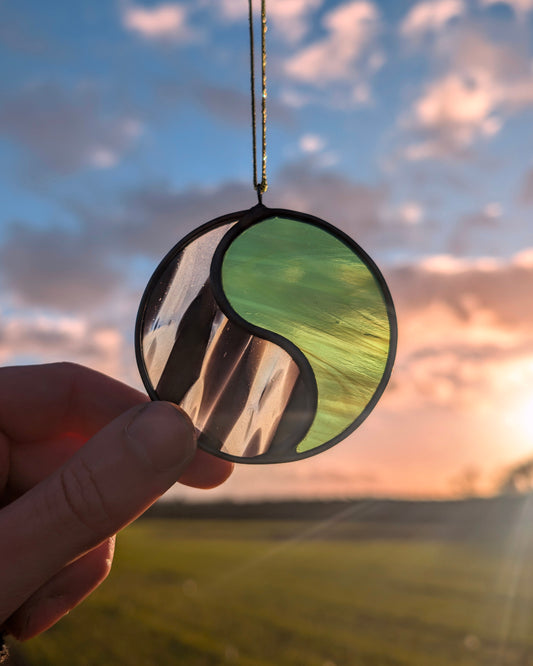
x=202, y=593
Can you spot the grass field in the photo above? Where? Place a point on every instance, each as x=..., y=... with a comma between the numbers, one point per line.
x=205, y=593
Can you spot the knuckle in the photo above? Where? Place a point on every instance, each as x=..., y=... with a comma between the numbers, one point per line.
x=74, y=374
x=69, y=368
x=84, y=501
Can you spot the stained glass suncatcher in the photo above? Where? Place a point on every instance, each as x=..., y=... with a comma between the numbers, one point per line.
x=272, y=329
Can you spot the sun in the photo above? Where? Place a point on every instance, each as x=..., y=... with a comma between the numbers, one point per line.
x=520, y=420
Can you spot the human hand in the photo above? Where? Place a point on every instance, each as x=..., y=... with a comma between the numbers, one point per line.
x=81, y=456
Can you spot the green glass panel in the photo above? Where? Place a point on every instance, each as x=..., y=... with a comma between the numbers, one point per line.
x=303, y=283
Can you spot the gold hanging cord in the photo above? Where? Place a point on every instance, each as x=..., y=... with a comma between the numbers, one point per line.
x=259, y=186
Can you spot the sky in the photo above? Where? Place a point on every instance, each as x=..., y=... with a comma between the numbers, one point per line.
x=124, y=125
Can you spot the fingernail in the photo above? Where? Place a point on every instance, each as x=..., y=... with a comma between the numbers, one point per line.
x=162, y=435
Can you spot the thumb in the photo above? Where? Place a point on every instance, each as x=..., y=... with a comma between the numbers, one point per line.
x=100, y=489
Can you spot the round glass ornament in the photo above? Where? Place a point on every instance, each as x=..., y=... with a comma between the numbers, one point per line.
x=272, y=329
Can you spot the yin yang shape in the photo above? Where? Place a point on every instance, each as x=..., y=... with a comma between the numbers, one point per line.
x=272, y=329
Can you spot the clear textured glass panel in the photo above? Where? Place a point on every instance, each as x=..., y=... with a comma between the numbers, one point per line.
x=178, y=287
x=303, y=283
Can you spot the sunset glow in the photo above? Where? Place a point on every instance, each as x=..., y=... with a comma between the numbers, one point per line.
x=124, y=125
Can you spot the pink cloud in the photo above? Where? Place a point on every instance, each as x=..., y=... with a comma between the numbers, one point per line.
x=37, y=337
x=482, y=84
x=466, y=336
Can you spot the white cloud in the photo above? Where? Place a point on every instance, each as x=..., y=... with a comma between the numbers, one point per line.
x=493, y=210
x=427, y=17
x=351, y=29
x=311, y=143
x=160, y=22
x=313, y=147
x=295, y=99
x=290, y=18
x=102, y=158
x=411, y=212
x=105, y=157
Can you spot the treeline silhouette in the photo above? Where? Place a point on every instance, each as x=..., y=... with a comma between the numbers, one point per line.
x=494, y=519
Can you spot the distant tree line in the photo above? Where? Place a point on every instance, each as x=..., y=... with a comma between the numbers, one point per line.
x=488, y=520
x=518, y=479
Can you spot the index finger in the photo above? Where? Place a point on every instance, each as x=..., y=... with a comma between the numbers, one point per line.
x=39, y=402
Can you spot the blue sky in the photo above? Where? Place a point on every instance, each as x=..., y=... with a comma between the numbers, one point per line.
x=123, y=125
